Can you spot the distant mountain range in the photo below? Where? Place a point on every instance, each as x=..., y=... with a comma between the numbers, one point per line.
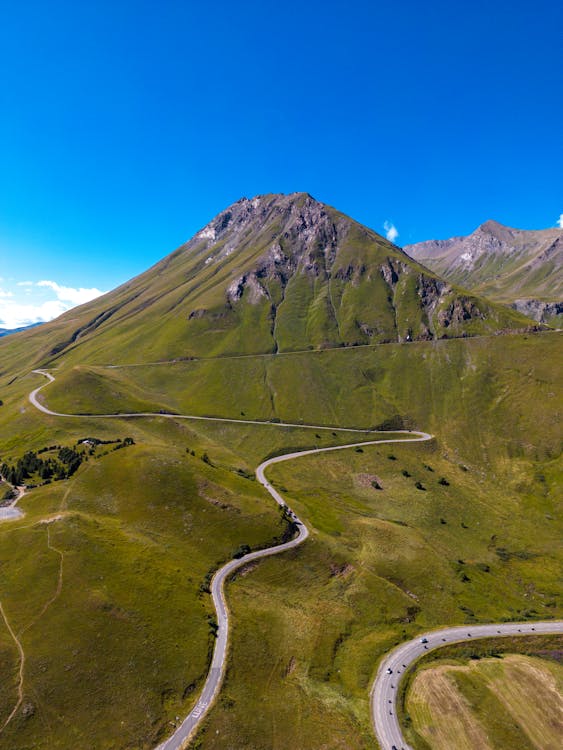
x=523, y=268
x=7, y=331
x=277, y=273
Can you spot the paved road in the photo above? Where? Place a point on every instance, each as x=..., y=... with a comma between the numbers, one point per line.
x=215, y=676
x=384, y=690
x=10, y=512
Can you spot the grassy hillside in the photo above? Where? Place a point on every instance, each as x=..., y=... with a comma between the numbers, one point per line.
x=123, y=643
x=506, y=389
x=104, y=579
x=104, y=584
x=382, y=565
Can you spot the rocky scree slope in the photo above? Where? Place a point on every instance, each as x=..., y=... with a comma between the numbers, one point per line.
x=276, y=273
x=523, y=268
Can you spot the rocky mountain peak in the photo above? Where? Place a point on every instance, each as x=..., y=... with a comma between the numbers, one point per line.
x=280, y=273
x=493, y=227
x=300, y=208
x=287, y=232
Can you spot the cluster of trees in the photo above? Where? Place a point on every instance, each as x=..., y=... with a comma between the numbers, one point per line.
x=30, y=464
x=53, y=468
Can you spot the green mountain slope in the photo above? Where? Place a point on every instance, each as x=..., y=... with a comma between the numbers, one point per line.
x=275, y=273
x=515, y=266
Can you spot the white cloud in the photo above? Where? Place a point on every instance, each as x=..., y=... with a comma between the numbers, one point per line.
x=560, y=221
x=391, y=231
x=14, y=315
x=38, y=302
x=69, y=294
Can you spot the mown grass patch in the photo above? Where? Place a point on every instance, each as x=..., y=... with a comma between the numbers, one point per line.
x=510, y=702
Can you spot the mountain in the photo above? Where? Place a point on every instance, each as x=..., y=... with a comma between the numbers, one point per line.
x=521, y=267
x=277, y=273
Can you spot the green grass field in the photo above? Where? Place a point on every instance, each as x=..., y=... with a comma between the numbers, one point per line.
x=121, y=649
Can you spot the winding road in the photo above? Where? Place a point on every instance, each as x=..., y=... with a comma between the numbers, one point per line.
x=383, y=695
x=194, y=417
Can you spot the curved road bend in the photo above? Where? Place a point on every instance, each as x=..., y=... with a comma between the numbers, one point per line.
x=383, y=696
x=10, y=512
x=38, y=405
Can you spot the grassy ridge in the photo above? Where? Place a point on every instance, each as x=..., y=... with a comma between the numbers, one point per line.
x=139, y=534
x=440, y=387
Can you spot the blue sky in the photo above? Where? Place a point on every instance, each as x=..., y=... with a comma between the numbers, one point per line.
x=125, y=127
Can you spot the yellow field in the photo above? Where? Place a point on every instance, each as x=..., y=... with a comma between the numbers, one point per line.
x=513, y=703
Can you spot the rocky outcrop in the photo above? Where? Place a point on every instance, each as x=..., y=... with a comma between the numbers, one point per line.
x=459, y=311
x=543, y=312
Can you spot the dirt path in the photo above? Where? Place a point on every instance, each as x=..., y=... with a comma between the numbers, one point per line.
x=21, y=669
x=16, y=636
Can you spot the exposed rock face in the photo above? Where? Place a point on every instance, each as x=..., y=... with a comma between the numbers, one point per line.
x=297, y=222
x=458, y=311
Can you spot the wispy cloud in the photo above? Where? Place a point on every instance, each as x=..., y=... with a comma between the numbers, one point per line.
x=28, y=302
x=391, y=231
x=560, y=221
